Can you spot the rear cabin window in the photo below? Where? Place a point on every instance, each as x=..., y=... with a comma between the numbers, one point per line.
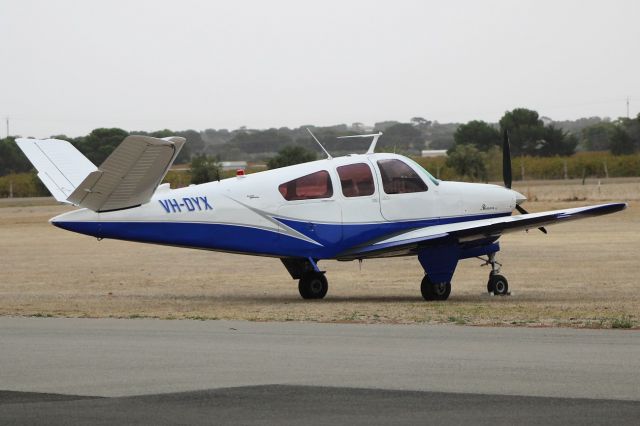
x=356, y=180
x=315, y=185
x=399, y=178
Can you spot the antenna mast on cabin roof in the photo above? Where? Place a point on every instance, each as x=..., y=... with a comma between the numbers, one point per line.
x=375, y=137
x=329, y=157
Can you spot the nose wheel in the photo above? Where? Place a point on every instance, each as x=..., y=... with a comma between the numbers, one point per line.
x=497, y=284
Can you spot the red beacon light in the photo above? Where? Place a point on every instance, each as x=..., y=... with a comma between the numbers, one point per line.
x=240, y=172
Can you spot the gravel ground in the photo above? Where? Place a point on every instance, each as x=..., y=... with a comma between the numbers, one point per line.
x=582, y=274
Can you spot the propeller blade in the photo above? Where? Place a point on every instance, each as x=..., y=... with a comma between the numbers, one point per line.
x=506, y=160
x=523, y=211
x=506, y=172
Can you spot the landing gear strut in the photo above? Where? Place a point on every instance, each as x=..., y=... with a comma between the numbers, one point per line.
x=435, y=291
x=497, y=284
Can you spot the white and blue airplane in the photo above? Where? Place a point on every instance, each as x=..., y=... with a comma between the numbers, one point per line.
x=356, y=207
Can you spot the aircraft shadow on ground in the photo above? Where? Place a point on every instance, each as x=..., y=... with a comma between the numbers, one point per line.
x=338, y=299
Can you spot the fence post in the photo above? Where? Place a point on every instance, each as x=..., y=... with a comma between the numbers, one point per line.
x=11, y=189
x=564, y=169
x=522, y=167
x=606, y=170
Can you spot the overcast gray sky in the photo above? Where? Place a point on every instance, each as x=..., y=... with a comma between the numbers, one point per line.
x=71, y=66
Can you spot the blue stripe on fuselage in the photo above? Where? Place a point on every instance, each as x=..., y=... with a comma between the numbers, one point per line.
x=356, y=234
x=245, y=239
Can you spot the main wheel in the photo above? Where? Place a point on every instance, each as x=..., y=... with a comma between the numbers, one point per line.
x=498, y=285
x=434, y=291
x=313, y=285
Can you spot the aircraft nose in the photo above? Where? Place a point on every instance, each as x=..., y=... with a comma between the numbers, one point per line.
x=519, y=197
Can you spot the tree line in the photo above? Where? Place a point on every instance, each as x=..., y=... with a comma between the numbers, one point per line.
x=476, y=141
x=531, y=135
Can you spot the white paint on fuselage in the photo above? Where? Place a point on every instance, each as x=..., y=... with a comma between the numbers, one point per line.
x=253, y=200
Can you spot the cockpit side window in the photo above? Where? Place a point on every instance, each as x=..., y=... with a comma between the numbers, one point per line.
x=399, y=178
x=315, y=185
x=356, y=180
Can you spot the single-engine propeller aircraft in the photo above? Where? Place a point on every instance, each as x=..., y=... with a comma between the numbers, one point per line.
x=359, y=206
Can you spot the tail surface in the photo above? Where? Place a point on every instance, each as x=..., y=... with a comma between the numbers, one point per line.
x=127, y=178
x=61, y=167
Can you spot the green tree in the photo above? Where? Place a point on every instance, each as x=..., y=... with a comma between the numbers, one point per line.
x=529, y=136
x=204, y=169
x=12, y=160
x=420, y=123
x=597, y=137
x=626, y=136
x=441, y=135
x=468, y=162
x=401, y=137
x=194, y=144
x=556, y=142
x=291, y=155
x=255, y=141
x=477, y=133
x=384, y=125
x=100, y=143
x=525, y=130
x=621, y=142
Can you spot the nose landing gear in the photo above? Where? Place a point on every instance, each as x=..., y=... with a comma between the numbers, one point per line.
x=497, y=284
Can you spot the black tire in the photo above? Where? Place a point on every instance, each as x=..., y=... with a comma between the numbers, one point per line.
x=498, y=285
x=313, y=285
x=437, y=291
x=489, y=285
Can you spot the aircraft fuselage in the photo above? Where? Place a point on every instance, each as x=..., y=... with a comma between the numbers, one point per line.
x=314, y=210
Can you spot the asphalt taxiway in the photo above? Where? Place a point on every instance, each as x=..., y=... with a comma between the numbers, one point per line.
x=105, y=371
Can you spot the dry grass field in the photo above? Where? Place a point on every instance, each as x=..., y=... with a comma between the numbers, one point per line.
x=582, y=274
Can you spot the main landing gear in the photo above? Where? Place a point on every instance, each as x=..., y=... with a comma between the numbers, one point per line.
x=497, y=284
x=313, y=285
x=436, y=284
x=435, y=291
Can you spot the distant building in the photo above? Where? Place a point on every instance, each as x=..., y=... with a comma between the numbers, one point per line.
x=257, y=166
x=233, y=165
x=434, y=153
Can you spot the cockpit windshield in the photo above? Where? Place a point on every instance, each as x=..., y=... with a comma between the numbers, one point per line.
x=424, y=172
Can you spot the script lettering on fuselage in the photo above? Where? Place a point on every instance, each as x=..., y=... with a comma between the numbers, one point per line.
x=187, y=204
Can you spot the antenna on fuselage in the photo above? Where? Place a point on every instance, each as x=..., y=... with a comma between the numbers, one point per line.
x=329, y=157
x=372, y=147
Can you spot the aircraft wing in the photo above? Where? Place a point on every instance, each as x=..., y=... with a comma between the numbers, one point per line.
x=129, y=176
x=410, y=241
